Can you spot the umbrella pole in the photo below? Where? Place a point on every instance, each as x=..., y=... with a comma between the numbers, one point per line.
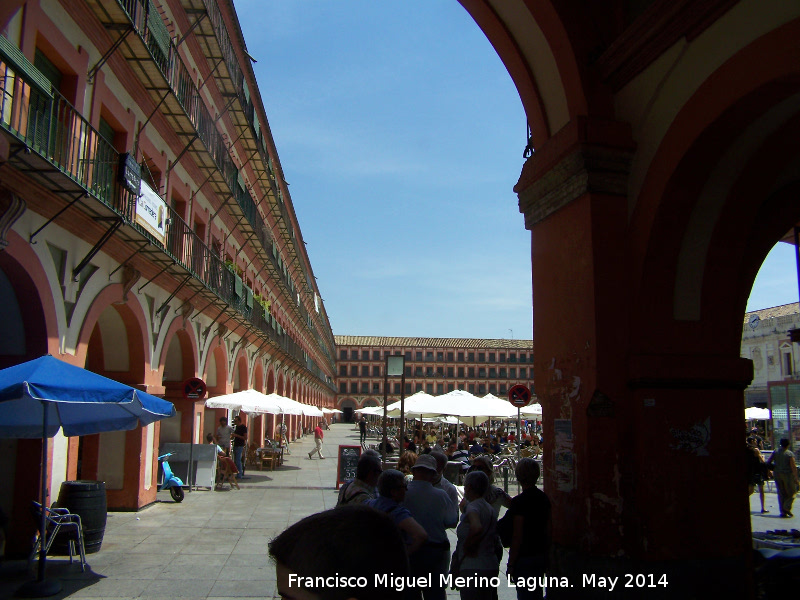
x=42, y=587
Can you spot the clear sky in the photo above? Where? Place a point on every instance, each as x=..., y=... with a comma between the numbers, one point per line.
x=401, y=136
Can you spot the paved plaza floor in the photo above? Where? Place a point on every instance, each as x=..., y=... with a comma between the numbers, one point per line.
x=214, y=544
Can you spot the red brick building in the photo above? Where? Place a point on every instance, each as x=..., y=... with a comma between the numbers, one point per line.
x=432, y=365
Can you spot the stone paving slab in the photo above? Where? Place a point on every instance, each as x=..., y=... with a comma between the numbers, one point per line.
x=213, y=546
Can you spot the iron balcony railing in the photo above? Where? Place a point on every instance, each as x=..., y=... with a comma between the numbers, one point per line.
x=49, y=126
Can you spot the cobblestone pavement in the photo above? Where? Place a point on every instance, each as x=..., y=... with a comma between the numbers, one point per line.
x=214, y=544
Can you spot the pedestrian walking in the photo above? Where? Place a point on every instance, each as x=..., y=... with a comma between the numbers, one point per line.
x=318, y=435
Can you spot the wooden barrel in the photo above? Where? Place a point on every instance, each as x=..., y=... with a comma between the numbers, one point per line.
x=87, y=499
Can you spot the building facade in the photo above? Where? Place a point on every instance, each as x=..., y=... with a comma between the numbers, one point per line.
x=432, y=365
x=767, y=342
x=147, y=233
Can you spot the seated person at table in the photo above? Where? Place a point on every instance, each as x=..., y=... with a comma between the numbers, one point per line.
x=349, y=545
x=476, y=448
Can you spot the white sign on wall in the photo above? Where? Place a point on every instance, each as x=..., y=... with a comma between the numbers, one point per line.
x=151, y=213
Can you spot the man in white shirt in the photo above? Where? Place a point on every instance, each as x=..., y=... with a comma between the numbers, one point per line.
x=433, y=509
x=223, y=436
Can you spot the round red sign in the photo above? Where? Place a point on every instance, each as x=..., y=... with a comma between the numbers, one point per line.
x=519, y=395
x=194, y=389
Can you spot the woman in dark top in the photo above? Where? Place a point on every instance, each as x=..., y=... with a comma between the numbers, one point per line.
x=530, y=542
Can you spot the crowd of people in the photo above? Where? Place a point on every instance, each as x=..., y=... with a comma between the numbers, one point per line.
x=390, y=529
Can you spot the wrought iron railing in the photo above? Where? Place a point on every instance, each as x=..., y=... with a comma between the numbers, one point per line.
x=51, y=127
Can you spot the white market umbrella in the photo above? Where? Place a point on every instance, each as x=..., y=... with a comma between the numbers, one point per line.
x=534, y=410
x=471, y=409
x=250, y=402
x=416, y=405
x=756, y=414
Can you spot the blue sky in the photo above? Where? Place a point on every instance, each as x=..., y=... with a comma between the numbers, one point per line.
x=401, y=136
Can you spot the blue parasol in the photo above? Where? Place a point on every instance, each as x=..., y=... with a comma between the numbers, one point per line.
x=41, y=396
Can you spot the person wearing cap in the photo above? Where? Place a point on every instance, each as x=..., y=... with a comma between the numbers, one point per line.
x=441, y=482
x=433, y=509
x=755, y=439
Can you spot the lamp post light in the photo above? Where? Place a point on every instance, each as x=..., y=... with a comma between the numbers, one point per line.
x=395, y=366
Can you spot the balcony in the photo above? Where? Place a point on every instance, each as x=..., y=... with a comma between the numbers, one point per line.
x=52, y=143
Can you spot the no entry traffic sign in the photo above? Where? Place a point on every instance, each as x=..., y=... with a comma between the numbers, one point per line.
x=519, y=395
x=194, y=389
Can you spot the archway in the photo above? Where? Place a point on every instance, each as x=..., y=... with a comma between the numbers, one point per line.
x=23, y=336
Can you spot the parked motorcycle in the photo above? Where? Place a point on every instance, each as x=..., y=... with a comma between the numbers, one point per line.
x=170, y=481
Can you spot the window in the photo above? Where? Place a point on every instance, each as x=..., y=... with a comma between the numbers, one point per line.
x=492, y=389
x=502, y=373
x=440, y=371
x=376, y=354
x=787, y=364
x=342, y=388
x=408, y=389
x=502, y=357
x=429, y=372
x=365, y=371
x=449, y=357
x=417, y=371
x=343, y=354
x=365, y=355
x=365, y=387
x=481, y=357
x=439, y=356
x=451, y=372
x=471, y=372
x=491, y=357
x=512, y=358
x=503, y=389
x=407, y=370
x=492, y=373
x=408, y=357
x=482, y=389
x=429, y=388
x=471, y=388
x=376, y=388
x=396, y=387
x=353, y=371
x=354, y=354
x=429, y=356
x=450, y=387
x=440, y=388
x=523, y=373
x=419, y=356
x=482, y=373
x=461, y=372
x=376, y=371
x=512, y=373
x=418, y=387
x=343, y=370
x=470, y=357
x=460, y=357
x=353, y=388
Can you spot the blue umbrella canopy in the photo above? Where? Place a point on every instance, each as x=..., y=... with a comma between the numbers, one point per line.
x=77, y=400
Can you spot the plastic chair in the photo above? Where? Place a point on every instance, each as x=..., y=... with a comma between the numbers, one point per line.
x=58, y=519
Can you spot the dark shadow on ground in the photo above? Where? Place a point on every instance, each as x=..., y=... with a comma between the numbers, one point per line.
x=14, y=573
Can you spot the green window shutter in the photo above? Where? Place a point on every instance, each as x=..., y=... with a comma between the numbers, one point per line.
x=12, y=56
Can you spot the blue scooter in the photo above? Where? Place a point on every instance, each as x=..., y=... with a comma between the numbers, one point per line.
x=170, y=481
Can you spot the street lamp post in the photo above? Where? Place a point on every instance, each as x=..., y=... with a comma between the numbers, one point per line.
x=395, y=365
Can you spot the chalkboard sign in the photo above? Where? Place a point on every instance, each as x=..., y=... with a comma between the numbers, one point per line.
x=348, y=461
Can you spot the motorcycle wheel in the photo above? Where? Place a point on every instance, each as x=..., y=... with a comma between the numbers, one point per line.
x=176, y=493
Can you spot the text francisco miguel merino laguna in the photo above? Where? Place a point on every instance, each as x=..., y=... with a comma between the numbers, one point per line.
x=426, y=581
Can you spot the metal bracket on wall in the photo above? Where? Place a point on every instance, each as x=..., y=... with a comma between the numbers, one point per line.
x=96, y=248
x=55, y=216
x=93, y=71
